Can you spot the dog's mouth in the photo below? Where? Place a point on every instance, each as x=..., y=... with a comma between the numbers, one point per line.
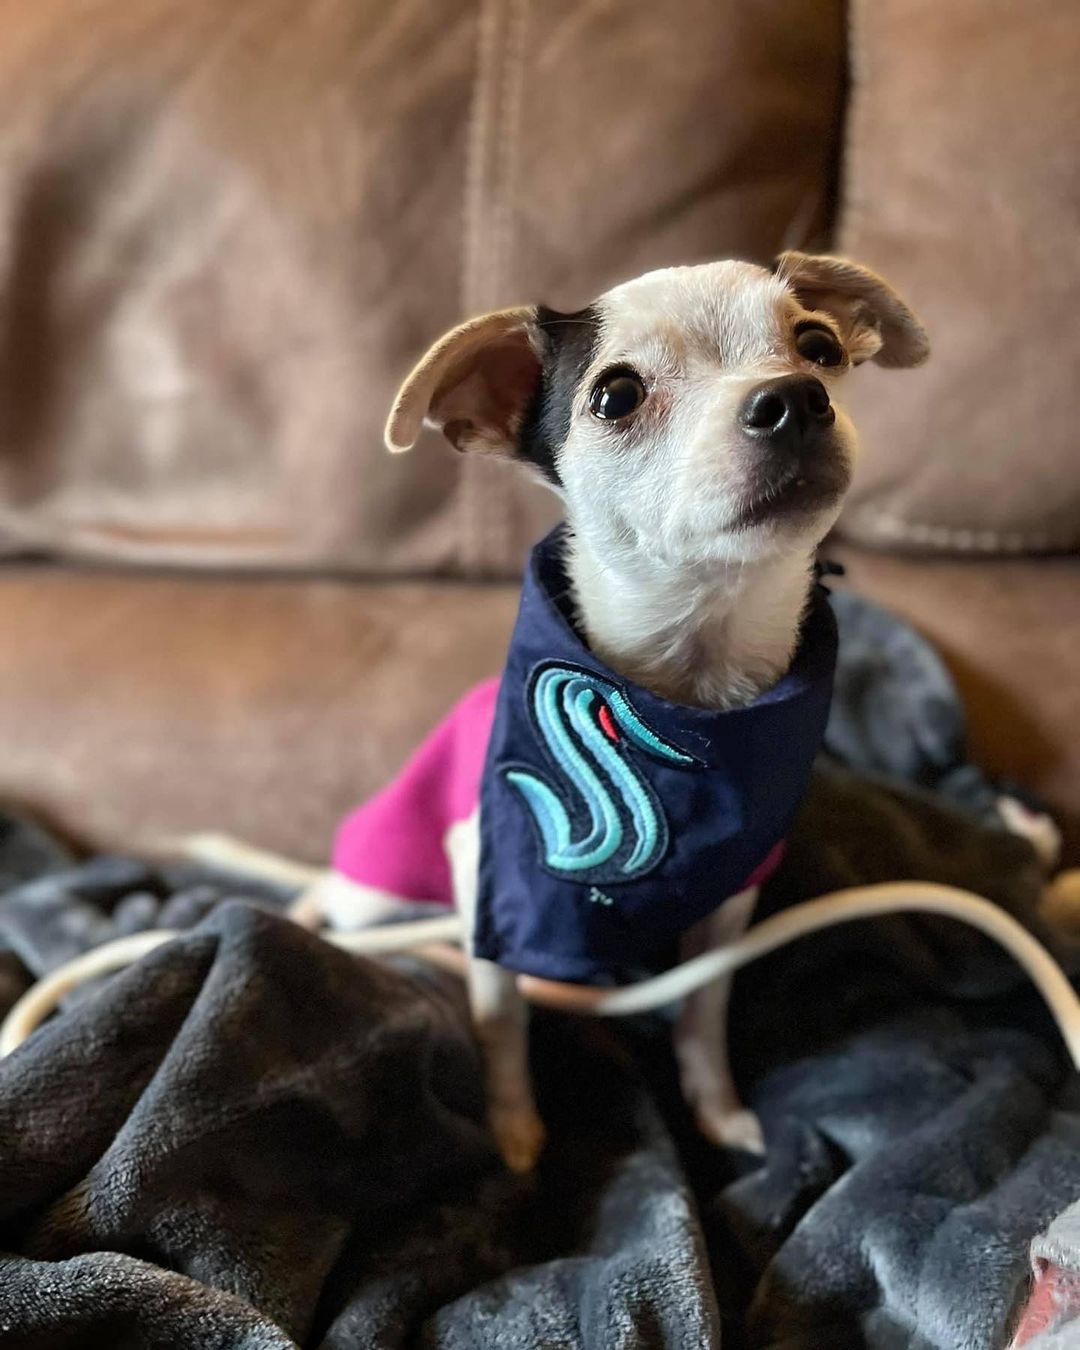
x=800, y=489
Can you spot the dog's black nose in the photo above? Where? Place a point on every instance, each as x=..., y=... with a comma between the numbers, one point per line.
x=787, y=411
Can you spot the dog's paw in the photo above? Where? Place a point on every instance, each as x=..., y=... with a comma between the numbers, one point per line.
x=520, y=1135
x=728, y=1128
x=1036, y=827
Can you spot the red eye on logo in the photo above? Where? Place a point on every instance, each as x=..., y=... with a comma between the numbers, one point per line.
x=607, y=726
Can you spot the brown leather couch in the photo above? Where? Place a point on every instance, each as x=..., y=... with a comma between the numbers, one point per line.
x=226, y=229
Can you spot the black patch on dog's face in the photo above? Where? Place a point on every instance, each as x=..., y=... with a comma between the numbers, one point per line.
x=569, y=341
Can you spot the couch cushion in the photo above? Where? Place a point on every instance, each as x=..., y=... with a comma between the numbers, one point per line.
x=139, y=705
x=963, y=187
x=225, y=234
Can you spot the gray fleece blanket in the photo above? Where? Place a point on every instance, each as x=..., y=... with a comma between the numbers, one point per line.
x=252, y=1140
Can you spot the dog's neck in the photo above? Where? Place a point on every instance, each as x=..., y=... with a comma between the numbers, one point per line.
x=713, y=637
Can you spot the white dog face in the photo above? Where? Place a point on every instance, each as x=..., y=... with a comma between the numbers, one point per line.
x=690, y=416
x=658, y=453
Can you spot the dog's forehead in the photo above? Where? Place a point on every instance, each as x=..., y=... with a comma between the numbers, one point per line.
x=721, y=306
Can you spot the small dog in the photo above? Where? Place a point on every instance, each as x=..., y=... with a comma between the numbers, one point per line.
x=689, y=421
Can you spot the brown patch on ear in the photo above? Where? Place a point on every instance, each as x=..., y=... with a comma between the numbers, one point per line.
x=474, y=385
x=877, y=325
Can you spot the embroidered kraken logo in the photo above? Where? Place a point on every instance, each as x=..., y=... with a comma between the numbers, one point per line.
x=602, y=822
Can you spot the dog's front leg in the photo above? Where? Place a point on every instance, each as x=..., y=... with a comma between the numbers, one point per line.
x=701, y=1036
x=500, y=1017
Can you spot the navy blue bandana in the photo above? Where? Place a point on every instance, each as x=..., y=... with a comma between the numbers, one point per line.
x=612, y=820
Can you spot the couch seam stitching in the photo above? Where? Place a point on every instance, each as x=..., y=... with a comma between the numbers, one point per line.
x=476, y=278
x=501, y=495
x=965, y=538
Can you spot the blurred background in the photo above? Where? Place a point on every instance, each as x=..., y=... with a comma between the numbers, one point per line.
x=227, y=229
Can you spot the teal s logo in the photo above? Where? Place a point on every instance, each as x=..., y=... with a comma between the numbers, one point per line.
x=601, y=821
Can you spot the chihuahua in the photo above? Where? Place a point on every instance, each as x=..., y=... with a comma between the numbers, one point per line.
x=689, y=420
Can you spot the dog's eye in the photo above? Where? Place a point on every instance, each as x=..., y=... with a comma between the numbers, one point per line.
x=616, y=394
x=816, y=343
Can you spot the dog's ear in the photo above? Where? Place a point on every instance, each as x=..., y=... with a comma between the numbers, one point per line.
x=876, y=324
x=474, y=385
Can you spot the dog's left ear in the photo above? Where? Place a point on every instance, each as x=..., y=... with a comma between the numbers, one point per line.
x=474, y=385
x=876, y=324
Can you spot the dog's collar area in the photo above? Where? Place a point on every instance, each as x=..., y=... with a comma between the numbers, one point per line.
x=594, y=786
x=546, y=627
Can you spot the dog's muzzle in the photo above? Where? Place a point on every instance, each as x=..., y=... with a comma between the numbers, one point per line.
x=794, y=464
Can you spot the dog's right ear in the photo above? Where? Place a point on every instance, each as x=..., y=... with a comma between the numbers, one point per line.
x=474, y=385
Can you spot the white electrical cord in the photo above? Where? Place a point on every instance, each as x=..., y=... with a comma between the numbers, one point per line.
x=44, y=997
x=863, y=902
